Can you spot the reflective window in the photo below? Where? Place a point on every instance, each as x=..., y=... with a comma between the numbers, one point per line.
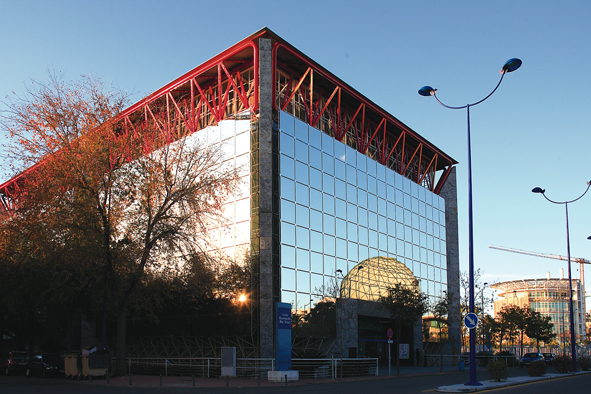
x=301, y=173
x=287, y=166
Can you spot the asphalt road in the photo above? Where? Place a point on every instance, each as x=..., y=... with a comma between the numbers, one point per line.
x=404, y=384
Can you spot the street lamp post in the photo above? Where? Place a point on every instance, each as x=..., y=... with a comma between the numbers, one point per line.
x=573, y=344
x=511, y=65
x=482, y=299
x=341, y=316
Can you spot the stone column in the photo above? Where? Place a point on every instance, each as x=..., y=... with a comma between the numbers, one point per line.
x=265, y=199
x=449, y=192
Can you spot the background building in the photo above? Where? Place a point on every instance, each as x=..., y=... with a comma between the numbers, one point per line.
x=550, y=298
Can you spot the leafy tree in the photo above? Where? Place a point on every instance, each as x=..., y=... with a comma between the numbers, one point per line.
x=539, y=327
x=406, y=305
x=440, y=312
x=142, y=195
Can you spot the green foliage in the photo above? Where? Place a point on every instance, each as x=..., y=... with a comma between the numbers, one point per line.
x=537, y=368
x=562, y=363
x=584, y=363
x=497, y=370
x=539, y=327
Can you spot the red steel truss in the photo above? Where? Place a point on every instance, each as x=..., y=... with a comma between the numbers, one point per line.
x=228, y=84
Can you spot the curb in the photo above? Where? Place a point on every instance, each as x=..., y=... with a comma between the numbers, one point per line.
x=489, y=385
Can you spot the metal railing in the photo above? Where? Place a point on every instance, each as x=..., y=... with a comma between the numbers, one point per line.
x=329, y=368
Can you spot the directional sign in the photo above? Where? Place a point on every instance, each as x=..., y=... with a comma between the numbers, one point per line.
x=390, y=333
x=471, y=320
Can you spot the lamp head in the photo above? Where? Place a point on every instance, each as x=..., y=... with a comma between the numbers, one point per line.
x=589, y=237
x=339, y=272
x=538, y=190
x=427, y=91
x=511, y=65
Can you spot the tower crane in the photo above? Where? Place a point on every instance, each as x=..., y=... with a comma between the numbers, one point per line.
x=550, y=256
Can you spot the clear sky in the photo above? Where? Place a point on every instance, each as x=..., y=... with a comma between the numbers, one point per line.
x=534, y=131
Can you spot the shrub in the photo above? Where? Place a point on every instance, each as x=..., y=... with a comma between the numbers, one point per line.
x=562, y=363
x=584, y=363
x=497, y=370
x=537, y=368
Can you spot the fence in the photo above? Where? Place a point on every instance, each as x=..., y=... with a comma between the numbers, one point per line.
x=252, y=367
x=437, y=360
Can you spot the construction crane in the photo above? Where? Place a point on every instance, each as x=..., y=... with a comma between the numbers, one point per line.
x=550, y=256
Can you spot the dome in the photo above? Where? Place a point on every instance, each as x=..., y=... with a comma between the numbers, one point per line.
x=371, y=278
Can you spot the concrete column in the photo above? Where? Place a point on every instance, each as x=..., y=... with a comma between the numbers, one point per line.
x=450, y=193
x=266, y=199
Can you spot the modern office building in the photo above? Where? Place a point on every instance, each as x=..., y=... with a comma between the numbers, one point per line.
x=549, y=297
x=342, y=199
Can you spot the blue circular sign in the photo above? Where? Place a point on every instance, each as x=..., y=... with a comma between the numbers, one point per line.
x=390, y=333
x=471, y=320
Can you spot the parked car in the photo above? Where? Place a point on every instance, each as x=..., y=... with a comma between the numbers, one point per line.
x=16, y=363
x=529, y=358
x=46, y=365
x=548, y=357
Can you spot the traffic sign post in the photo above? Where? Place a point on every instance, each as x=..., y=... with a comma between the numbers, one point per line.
x=390, y=335
x=471, y=320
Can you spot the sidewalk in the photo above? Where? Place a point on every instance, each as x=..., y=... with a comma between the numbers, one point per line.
x=488, y=384
x=189, y=381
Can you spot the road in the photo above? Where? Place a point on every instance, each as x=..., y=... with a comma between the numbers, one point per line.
x=405, y=384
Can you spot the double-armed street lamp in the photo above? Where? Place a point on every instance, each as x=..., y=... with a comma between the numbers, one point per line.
x=511, y=65
x=573, y=344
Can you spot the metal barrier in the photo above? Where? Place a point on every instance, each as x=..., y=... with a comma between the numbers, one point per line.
x=253, y=367
x=198, y=366
x=332, y=368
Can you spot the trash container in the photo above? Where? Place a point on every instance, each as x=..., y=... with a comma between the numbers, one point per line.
x=92, y=370
x=461, y=365
x=72, y=367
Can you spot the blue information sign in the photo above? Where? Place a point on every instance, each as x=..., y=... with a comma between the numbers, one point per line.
x=471, y=320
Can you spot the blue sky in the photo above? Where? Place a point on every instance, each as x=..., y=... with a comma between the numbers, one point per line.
x=534, y=131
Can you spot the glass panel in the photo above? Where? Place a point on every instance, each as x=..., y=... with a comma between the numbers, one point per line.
x=315, y=158
x=339, y=170
x=328, y=184
x=314, y=136
x=351, y=175
x=315, y=178
x=318, y=284
x=341, y=228
x=373, y=239
x=301, y=151
x=352, y=252
x=301, y=130
x=287, y=211
x=288, y=279
x=351, y=194
x=328, y=203
x=352, y=232
x=302, y=192
x=287, y=189
x=372, y=184
x=243, y=210
x=351, y=156
x=288, y=297
x=329, y=244
x=327, y=164
x=339, y=151
x=371, y=167
x=303, y=237
x=362, y=198
x=373, y=221
x=382, y=226
x=327, y=144
x=286, y=122
x=341, y=208
x=341, y=249
x=302, y=216
x=303, y=282
x=288, y=233
x=301, y=171
x=288, y=256
x=382, y=193
x=372, y=203
x=315, y=220
x=286, y=145
x=363, y=235
x=316, y=243
x=287, y=166
x=362, y=216
x=242, y=143
x=303, y=259
x=340, y=188
x=316, y=199
x=351, y=212
x=362, y=162
x=361, y=180
x=316, y=262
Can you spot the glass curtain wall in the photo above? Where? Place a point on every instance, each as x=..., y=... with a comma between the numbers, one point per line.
x=340, y=208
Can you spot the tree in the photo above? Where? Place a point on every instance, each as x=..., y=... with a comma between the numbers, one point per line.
x=142, y=194
x=440, y=312
x=539, y=327
x=406, y=305
x=514, y=319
